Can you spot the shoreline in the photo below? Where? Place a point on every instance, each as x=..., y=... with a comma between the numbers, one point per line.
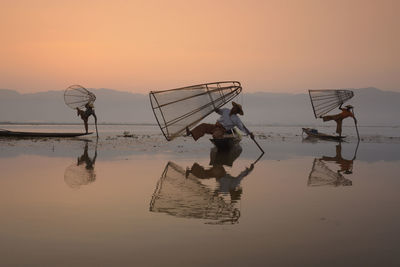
x=156, y=125
x=276, y=146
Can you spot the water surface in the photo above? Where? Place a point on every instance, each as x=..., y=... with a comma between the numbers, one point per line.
x=124, y=202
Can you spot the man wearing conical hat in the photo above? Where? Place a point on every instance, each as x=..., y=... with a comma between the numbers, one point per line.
x=224, y=124
x=85, y=114
x=347, y=112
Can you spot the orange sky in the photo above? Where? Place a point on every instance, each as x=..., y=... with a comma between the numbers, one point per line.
x=137, y=46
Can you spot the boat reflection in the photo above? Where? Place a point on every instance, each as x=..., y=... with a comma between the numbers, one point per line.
x=82, y=172
x=322, y=175
x=182, y=193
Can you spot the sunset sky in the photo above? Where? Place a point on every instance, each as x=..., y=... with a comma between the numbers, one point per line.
x=137, y=46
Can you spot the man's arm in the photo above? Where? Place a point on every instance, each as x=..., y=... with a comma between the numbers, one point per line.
x=240, y=125
x=250, y=133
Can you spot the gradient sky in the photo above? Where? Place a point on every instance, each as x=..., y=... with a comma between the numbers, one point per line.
x=137, y=46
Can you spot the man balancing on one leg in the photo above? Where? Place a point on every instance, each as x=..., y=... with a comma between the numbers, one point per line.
x=347, y=111
x=225, y=123
x=85, y=114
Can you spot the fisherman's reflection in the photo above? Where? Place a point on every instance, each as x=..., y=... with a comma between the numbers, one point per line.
x=81, y=173
x=183, y=193
x=321, y=174
x=346, y=165
x=227, y=184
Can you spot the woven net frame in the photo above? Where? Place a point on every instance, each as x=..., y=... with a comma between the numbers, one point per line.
x=176, y=109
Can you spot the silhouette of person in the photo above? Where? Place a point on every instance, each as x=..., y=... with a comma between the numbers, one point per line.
x=85, y=114
x=338, y=118
x=321, y=174
x=346, y=165
x=226, y=182
x=89, y=162
x=82, y=172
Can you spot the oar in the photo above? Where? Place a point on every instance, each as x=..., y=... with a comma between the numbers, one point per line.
x=358, y=135
x=262, y=150
x=97, y=132
x=95, y=123
x=355, y=123
x=254, y=163
x=355, y=152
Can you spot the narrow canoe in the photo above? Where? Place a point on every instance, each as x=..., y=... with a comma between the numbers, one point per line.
x=314, y=133
x=5, y=133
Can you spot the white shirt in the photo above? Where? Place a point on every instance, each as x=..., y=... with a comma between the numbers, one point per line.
x=230, y=121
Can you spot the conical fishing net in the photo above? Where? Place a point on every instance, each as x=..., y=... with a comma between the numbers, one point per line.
x=176, y=109
x=186, y=197
x=77, y=96
x=321, y=175
x=77, y=175
x=324, y=101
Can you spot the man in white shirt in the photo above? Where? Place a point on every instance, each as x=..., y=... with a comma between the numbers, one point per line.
x=225, y=123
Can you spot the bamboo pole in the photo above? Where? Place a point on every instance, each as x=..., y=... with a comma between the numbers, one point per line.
x=95, y=123
x=252, y=137
x=358, y=135
x=355, y=123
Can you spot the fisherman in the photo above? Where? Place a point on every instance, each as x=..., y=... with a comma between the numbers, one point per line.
x=85, y=114
x=76, y=176
x=347, y=111
x=89, y=162
x=224, y=124
x=226, y=182
x=346, y=165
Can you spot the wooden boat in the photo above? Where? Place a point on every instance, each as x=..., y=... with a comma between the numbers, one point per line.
x=315, y=134
x=228, y=141
x=5, y=133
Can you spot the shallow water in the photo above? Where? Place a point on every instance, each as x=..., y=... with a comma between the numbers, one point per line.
x=142, y=201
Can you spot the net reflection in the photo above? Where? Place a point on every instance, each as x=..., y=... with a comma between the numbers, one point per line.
x=322, y=175
x=82, y=172
x=182, y=193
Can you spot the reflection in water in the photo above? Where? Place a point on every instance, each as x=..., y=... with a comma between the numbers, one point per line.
x=227, y=184
x=181, y=193
x=321, y=174
x=81, y=173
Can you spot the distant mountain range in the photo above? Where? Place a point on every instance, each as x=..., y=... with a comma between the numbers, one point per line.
x=372, y=107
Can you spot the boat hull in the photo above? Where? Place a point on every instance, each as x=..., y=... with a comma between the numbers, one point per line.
x=313, y=133
x=39, y=134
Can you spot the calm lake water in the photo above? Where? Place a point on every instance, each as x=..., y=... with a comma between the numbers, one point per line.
x=145, y=202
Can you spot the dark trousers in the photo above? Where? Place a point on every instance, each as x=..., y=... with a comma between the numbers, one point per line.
x=216, y=130
x=338, y=119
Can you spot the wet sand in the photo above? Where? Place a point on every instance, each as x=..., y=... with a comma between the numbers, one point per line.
x=123, y=201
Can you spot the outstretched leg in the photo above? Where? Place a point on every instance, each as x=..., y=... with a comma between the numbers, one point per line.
x=207, y=128
x=202, y=173
x=328, y=118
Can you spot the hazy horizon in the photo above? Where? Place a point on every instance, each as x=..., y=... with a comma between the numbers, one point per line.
x=303, y=91
x=261, y=108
